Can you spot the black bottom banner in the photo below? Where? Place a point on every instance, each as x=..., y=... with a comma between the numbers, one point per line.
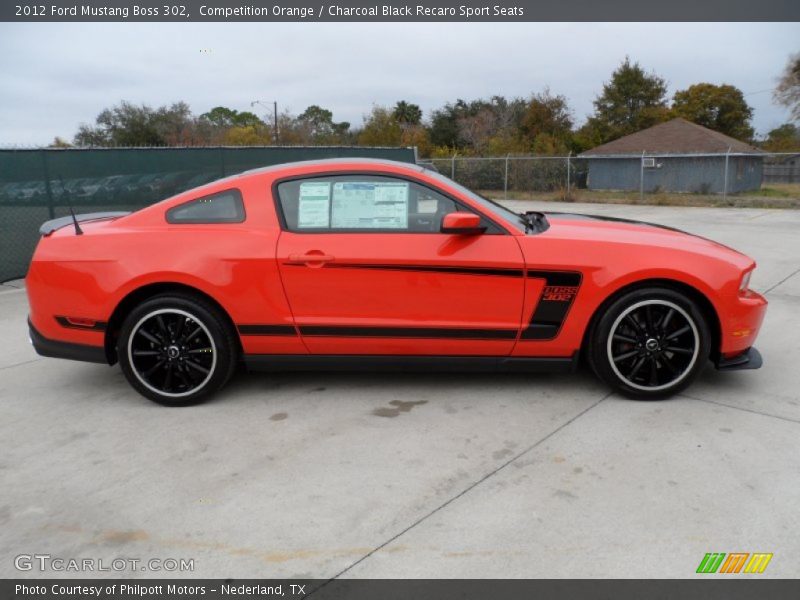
x=388, y=589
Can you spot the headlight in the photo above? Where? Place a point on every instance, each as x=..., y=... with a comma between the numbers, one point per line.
x=745, y=284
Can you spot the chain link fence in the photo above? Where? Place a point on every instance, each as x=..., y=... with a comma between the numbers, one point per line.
x=714, y=179
x=37, y=185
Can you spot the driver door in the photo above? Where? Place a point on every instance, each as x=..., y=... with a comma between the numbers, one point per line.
x=367, y=271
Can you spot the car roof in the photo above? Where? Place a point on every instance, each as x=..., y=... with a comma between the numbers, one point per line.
x=320, y=164
x=333, y=162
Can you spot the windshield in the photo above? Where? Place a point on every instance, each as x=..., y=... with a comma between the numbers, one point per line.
x=507, y=215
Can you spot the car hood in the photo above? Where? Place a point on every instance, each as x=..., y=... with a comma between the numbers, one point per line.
x=628, y=231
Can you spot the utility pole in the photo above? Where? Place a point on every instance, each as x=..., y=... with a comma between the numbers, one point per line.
x=275, y=133
x=725, y=177
x=275, y=115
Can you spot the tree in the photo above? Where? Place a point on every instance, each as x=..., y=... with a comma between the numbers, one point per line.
x=123, y=125
x=484, y=126
x=220, y=116
x=247, y=135
x=588, y=136
x=247, y=119
x=785, y=138
x=224, y=118
x=289, y=131
x=787, y=92
x=718, y=107
x=632, y=100
x=127, y=124
x=318, y=126
x=59, y=142
x=417, y=135
x=223, y=125
x=380, y=128
x=444, y=124
x=175, y=124
x=508, y=114
x=547, y=123
x=407, y=114
x=475, y=131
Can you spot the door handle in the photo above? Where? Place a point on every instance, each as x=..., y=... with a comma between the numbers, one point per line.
x=311, y=257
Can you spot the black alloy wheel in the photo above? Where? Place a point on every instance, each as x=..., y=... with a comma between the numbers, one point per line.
x=650, y=343
x=176, y=349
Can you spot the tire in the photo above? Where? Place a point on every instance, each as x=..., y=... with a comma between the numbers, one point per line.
x=649, y=343
x=177, y=349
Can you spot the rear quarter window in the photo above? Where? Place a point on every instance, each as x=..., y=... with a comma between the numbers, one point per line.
x=221, y=207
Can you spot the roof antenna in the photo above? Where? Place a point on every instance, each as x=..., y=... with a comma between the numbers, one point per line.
x=78, y=230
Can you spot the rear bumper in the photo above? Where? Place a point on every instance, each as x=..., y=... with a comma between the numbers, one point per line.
x=749, y=359
x=58, y=349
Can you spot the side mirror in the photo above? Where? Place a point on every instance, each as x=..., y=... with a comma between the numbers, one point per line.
x=462, y=223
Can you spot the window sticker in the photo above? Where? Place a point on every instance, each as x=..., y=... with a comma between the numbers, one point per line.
x=428, y=206
x=370, y=205
x=314, y=207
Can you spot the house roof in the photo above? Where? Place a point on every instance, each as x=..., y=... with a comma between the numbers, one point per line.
x=677, y=136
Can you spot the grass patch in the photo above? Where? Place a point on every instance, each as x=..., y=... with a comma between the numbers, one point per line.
x=774, y=195
x=780, y=190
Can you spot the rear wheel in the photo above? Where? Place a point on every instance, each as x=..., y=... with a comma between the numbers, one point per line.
x=176, y=349
x=650, y=343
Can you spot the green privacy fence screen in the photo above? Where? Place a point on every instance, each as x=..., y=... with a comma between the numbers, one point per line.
x=36, y=185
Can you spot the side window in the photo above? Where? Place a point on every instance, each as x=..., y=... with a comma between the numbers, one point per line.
x=222, y=207
x=362, y=203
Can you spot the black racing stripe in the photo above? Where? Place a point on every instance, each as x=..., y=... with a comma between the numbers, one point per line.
x=559, y=291
x=550, y=313
x=408, y=332
x=98, y=325
x=584, y=217
x=267, y=330
x=565, y=278
x=425, y=269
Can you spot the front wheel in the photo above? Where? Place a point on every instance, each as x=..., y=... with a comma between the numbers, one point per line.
x=650, y=343
x=176, y=349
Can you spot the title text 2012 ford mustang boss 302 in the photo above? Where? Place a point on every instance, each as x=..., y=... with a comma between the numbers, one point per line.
x=349, y=263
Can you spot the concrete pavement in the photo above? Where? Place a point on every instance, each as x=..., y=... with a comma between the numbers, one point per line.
x=354, y=475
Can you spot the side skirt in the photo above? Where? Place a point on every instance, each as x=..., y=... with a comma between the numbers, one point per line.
x=368, y=362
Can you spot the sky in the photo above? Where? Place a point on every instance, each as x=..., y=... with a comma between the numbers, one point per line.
x=55, y=76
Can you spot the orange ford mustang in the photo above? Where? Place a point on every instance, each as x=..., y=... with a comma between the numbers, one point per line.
x=356, y=263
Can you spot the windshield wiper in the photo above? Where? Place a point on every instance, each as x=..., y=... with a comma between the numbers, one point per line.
x=534, y=221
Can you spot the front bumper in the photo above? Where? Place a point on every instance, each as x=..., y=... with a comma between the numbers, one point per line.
x=749, y=359
x=740, y=320
x=58, y=349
